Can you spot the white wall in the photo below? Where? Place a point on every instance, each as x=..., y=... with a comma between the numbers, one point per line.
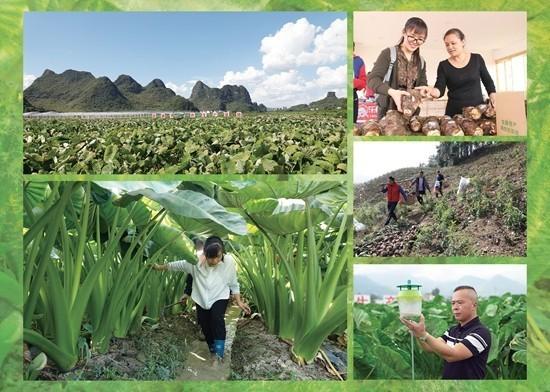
x=494, y=35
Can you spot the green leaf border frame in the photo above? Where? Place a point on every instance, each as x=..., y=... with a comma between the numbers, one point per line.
x=538, y=140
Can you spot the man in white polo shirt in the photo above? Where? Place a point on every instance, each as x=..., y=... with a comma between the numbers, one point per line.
x=464, y=347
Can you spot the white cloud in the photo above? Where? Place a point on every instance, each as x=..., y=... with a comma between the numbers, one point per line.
x=27, y=80
x=183, y=89
x=281, y=89
x=291, y=87
x=249, y=76
x=281, y=81
x=302, y=43
x=281, y=51
x=329, y=46
x=332, y=79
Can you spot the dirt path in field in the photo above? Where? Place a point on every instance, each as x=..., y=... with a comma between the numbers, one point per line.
x=200, y=364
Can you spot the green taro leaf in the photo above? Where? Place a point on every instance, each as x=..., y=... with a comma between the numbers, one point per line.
x=283, y=216
x=237, y=193
x=520, y=357
x=194, y=212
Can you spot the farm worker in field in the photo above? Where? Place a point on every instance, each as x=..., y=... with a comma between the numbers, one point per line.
x=359, y=81
x=439, y=184
x=464, y=347
x=421, y=186
x=199, y=246
x=462, y=185
x=461, y=73
x=393, y=191
x=400, y=68
x=214, y=277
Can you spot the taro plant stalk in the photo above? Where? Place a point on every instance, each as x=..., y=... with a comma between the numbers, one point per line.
x=62, y=305
x=64, y=286
x=298, y=300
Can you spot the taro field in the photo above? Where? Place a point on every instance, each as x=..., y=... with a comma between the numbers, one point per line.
x=272, y=143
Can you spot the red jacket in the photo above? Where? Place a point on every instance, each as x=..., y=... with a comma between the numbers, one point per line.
x=393, y=191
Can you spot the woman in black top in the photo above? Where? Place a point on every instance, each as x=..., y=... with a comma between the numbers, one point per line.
x=461, y=74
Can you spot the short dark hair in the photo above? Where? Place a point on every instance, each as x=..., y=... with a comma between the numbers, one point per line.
x=391, y=178
x=456, y=32
x=213, y=246
x=464, y=287
x=421, y=171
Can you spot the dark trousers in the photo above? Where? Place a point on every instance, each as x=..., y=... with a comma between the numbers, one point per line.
x=355, y=105
x=419, y=196
x=212, y=321
x=391, y=211
x=439, y=191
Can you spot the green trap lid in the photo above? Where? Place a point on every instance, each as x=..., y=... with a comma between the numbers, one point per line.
x=409, y=286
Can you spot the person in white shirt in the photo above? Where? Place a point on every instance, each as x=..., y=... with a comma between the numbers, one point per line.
x=214, y=279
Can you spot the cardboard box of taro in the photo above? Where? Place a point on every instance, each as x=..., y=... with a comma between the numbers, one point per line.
x=511, y=115
x=366, y=110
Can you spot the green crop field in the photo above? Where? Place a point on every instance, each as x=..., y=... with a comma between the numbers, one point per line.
x=273, y=143
x=382, y=347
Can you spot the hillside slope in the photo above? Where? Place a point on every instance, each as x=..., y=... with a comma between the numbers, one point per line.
x=489, y=219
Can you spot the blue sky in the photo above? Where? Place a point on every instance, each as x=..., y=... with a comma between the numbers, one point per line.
x=269, y=53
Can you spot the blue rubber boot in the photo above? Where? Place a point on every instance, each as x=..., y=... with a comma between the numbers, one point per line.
x=211, y=347
x=219, y=347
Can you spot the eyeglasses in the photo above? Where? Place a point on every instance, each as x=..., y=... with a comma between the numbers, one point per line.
x=414, y=40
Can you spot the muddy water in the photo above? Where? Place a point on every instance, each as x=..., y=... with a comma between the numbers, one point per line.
x=201, y=364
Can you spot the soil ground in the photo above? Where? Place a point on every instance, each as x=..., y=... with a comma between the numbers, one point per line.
x=173, y=350
x=158, y=352
x=258, y=355
x=201, y=364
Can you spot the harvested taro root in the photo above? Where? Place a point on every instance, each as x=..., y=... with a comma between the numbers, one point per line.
x=431, y=127
x=489, y=127
x=472, y=112
x=370, y=128
x=490, y=112
x=444, y=119
x=416, y=123
x=471, y=128
x=409, y=103
x=482, y=107
x=458, y=119
x=449, y=127
x=394, y=124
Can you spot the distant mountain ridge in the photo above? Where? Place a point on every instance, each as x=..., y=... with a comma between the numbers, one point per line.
x=232, y=98
x=331, y=101
x=496, y=285
x=80, y=91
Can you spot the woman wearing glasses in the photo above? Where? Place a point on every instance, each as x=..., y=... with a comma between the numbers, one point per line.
x=461, y=74
x=400, y=68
